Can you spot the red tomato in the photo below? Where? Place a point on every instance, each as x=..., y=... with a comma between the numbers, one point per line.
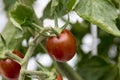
x=59, y=77
x=62, y=47
x=9, y=68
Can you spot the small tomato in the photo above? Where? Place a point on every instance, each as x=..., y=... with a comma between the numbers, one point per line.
x=62, y=47
x=9, y=68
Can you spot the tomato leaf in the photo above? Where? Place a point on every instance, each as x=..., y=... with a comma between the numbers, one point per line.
x=96, y=68
x=21, y=15
x=9, y=33
x=13, y=38
x=53, y=6
x=96, y=11
x=61, y=7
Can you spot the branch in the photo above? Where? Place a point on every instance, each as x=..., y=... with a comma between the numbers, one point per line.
x=14, y=57
x=28, y=55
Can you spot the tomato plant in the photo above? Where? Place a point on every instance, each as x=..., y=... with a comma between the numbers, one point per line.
x=61, y=47
x=9, y=68
x=30, y=29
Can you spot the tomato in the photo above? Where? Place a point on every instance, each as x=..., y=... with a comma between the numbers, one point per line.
x=59, y=77
x=62, y=47
x=9, y=68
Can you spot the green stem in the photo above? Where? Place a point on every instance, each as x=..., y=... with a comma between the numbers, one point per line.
x=68, y=71
x=32, y=46
x=24, y=62
x=22, y=75
x=56, y=19
x=9, y=54
x=37, y=26
x=28, y=72
x=29, y=53
x=56, y=32
x=42, y=75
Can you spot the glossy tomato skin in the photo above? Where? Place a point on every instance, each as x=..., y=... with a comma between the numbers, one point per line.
x=9, y=68
x=62, y=47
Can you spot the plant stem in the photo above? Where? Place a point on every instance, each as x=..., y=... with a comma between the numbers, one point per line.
x=68, y=71
x=9, y=54
x=24, y=63
x=29, y=53
x=41, y=74
x=25, y=60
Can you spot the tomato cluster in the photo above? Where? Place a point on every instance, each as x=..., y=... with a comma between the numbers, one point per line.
x=62, y=47
x=9, y=68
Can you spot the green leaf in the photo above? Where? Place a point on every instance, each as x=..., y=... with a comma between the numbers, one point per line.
x=14, y=38
x=96, y=68
x=53, y=6
x=9, y=33
x=99, y=12
x=61, y=7
x=21, y=15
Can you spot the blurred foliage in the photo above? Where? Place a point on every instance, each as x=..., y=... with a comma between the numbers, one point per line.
x=116, y=3
x=96, y=68
x=8, y=4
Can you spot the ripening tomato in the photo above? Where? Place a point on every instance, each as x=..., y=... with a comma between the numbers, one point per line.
x=9, y=68
x=59, y=77
x=62, y=47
